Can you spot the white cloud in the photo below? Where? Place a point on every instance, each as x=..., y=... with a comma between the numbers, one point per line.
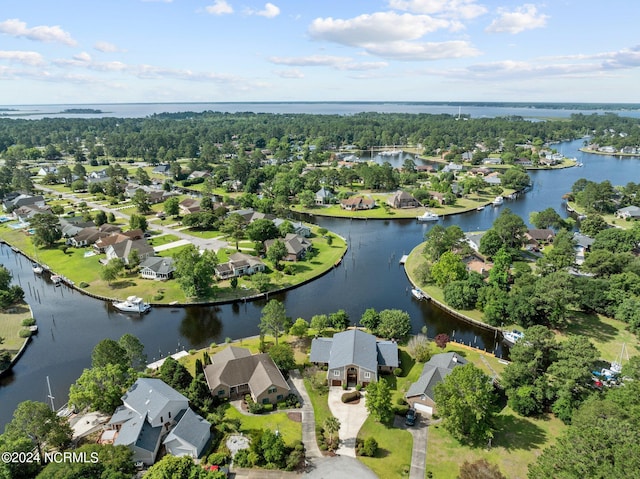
x=292, y=73
x=106, y=47
x=522, y=18
x=27, y=58
x=269, y=11
x=219, y=7
x=411, y=51
x=466, y=9
x=375, y=28
x=42, y=33
x=338, y=63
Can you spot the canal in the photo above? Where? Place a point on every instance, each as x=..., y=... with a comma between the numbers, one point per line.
x=370, y=276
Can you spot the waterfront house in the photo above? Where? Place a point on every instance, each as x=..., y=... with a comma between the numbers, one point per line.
x=151, y=411
x=299, y=228
x=631, y=212
x=354, y=357
x=162, y=170
x=189, y=206
x=198, y=174
x=402, y=199
x=538, y=237
x=239, y=264
x=157, y=267
x=421, y=394
x=87, y=237
x=235, y=372
x=122, y=250
x=582, y=245
x=324, y=196
x=297, y=246
x=357, y=203
x=473, y=239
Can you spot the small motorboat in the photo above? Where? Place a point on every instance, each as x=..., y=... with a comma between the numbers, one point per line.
x=418, y=294
x=498, y=201
x=428, y=216
x=479, y=208
x=512, y=337
x=37, y=269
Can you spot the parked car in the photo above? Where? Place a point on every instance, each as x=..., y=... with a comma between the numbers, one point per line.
x=410, y=418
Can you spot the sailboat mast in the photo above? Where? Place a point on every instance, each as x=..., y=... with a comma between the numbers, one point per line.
x=50, y=396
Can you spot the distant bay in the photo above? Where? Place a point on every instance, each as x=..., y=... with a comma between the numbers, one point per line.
x=535, y=111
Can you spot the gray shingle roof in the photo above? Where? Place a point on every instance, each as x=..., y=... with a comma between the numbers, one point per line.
x=320, y=350
x=433, y=372
x=354, y=347
x=159, y=265
x=148, y=395
x=191, y=428
x=387, y=353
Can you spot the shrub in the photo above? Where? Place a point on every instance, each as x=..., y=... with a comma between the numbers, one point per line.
x=344, y=386
x=28, y=322
x=358, y=387
x=24, y=333
x=158, y=296
x=401, y=410
x=252, y=406
x=83, y=284
x=369, y=447
x=397, y=372
x=351, y=396
x=192, y=351
x=228, y=340
x=218, y=458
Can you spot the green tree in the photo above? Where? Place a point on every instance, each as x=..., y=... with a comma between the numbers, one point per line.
x=282, y=355
x=112, y=462
x=499, y=274
x=339, y=319
x=172, y=467
x=394, y=324
x=195, y=271
x=548, y=218
x=465, y=401
x=419, y=348
x=141, y=200
x=299, y=328
x=511, y=229
x=320, y=322
x=142, y=176
x=171, y=206
x=262, y=230
x=274, y=319
x=100, y=389
x=307, y=198
x=480, y=469
x=331, y=426
x=234, y=226
x=134, y=350
x=100, y=218
x=112, y=270
x=561, y=257
x=370, y=319
x=35, y=420
x=47, y=229
x=109, y=351
x=592, y=225
x=448, y=268
x=439, y=240
x=138, y=222
x=18, y=470
x=378, y=401
x=276, y=252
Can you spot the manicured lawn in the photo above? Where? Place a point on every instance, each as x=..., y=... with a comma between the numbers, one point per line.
x=319, y=401
x=393, y=458
x=10, y=326
x=609, y=218
x=517, y=443
x=289, y=430
x=160, y=240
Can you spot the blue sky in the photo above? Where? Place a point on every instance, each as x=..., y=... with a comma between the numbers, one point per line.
x=90, y=51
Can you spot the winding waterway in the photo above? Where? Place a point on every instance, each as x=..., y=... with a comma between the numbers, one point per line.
x=71, y=324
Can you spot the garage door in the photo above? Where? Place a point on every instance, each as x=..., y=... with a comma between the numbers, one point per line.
x=422, y=408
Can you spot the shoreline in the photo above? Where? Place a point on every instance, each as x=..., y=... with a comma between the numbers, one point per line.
x=617, y=153
x=243, y=299
x=20, y=352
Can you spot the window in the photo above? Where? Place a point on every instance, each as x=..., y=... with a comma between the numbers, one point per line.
x=221, y=392
x=367, y=375
x=161, y=419
x=279, y=398
x=265, y=401
x=336, y=373
x=169, y=414
x=272, y=390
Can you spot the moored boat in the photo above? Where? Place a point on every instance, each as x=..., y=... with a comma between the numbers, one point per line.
x=512, y=337
x=132, y=304
x=479, y=208
x=37, y=269
x=498, y=201
x=428, y=216
x=418, y=294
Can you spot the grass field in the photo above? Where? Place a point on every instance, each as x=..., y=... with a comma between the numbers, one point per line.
x=393, y=458
x=289, y=430
x=10, y=326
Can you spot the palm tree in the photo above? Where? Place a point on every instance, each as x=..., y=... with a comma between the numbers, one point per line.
x=331, y=426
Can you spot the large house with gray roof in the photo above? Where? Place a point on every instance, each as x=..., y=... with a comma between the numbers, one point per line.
x=421, y=394
x=354, y=357
x=152, y=412
x=235, y=372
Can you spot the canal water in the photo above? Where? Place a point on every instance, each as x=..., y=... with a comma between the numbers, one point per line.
x=370, y=276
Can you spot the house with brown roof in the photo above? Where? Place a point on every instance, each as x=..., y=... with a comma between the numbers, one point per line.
x=86, y=237
x=402, y=199
x=239, y=264
x=297, y=246
x=189, y=205
x=358, y=203
x=537, y=237
x=235, y=372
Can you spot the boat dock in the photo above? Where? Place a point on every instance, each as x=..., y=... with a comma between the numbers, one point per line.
x=404, y=258
x=159, y=362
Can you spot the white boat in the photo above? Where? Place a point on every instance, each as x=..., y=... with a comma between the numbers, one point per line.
x=37, y=269
x=132, y=304
x=498, y=201
x=418, y=294
x=479, y=208
x=428, y=216
x=512, y=337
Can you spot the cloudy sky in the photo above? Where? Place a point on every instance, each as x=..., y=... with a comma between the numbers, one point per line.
x=84, y=51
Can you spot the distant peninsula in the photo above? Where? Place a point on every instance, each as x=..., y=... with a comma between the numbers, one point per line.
x=91, y=111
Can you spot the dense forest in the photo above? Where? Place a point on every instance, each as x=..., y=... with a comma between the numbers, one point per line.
x=166, y=136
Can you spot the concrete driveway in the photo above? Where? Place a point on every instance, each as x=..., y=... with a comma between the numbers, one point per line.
x=351, y=417
x=419, y=450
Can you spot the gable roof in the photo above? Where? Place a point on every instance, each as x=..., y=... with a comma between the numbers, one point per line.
x=148, y=397
x=158, y=264
x=123, y=248
x=434, y=372
x=237, y=367
x=354, y=347
x=191, y=429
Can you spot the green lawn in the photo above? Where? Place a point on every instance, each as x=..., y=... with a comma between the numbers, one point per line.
x=517, y=443
x=290, y=431
x=393, y=458
x=161, y=240
x=609, y=218
x=10, y=326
